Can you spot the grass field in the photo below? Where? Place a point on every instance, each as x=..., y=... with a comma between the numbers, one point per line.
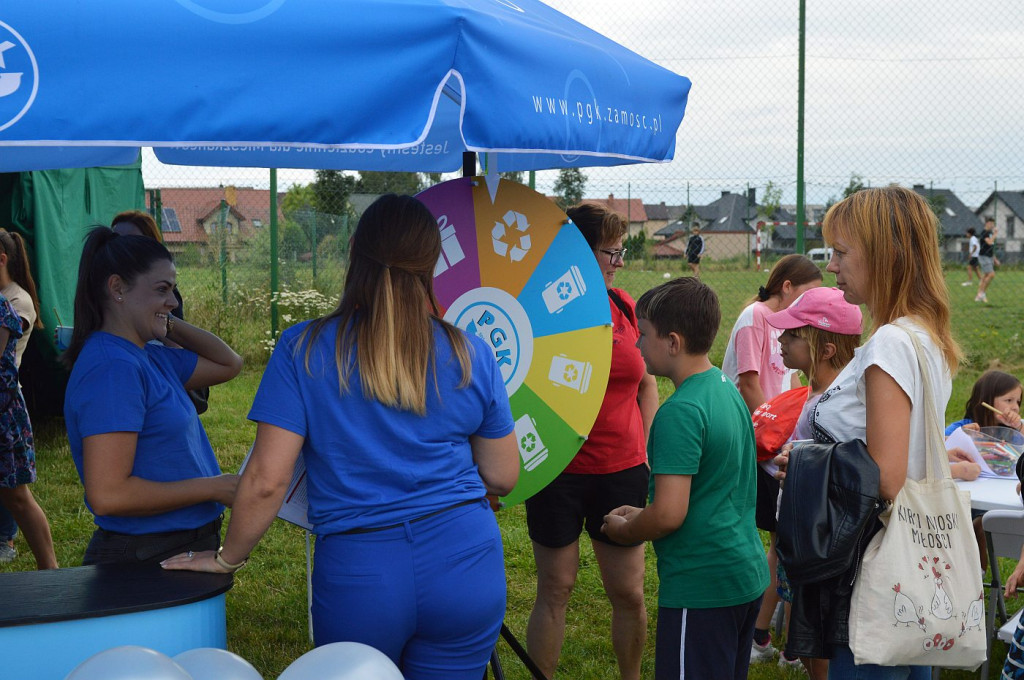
x=266, y=609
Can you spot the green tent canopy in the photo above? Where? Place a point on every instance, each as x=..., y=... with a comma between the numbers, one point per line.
x=53, y=210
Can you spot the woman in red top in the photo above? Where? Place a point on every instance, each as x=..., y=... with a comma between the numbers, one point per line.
x=610, y=470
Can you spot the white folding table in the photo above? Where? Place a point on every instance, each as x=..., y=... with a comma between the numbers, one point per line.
x=987, y=494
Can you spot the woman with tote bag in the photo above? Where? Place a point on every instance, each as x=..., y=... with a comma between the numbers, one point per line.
x=890, y=396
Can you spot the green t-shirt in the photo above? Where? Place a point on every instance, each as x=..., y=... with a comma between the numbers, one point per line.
x=715, y=559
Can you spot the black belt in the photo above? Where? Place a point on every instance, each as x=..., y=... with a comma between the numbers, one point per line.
x=370, y=530
x=183, y=535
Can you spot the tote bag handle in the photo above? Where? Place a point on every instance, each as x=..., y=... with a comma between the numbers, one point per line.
x=935, y=446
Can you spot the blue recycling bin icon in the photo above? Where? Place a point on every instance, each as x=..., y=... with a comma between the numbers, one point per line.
x=564, y=290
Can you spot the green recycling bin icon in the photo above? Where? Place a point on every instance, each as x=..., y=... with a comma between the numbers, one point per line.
x=531, y=447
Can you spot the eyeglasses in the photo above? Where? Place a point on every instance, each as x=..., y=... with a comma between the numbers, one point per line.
x=613, y=255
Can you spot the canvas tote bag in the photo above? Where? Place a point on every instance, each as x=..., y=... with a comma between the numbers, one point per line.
x=918, y=597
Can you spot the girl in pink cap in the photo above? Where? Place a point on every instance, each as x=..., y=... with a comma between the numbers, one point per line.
x=820, y=332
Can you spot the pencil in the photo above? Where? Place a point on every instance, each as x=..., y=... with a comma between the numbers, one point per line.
x=992, y=408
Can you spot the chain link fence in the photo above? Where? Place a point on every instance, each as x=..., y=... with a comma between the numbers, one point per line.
x=909, y=93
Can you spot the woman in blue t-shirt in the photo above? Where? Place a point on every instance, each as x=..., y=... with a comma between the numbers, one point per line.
x=150, y=476
x=404, y=425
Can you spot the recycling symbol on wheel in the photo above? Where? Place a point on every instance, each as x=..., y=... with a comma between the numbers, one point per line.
x=509, y=237
x=528, y=442
x=564, y=290
x=571, y=373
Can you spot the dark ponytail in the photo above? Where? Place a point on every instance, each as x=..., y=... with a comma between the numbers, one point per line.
x=17, y=266
x=797, y=269
x=106, y=254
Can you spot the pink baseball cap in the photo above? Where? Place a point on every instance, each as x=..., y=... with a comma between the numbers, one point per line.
x=822, y=308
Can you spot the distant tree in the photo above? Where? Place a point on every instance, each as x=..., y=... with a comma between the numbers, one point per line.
x=294, y=241
x=516, y=176
x=299, y=198
x=635, y=245
x=569, y=187
x=389, y=183
x=332, y=189
x=937, y=202
x=690, y=216
x=298, y=208
x=332, y=208
x=771, y=201
x=855, y=185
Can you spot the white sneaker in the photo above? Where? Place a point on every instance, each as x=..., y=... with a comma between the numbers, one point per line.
x=967, y=283
x=7, y=552
x=795, y=664
x=761, y=653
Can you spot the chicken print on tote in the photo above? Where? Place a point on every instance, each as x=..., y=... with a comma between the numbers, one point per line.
x=907, y=612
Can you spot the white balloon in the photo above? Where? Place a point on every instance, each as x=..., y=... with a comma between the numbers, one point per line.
x=342, y=661
x=129, y=662
x=210, y=663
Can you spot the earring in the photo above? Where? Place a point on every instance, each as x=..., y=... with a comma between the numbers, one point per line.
x=120, y=299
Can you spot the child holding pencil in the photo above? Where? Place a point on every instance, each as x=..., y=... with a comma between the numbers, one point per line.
x=994, y=401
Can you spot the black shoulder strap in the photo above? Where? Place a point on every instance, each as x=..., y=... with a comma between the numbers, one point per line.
x=623, y=307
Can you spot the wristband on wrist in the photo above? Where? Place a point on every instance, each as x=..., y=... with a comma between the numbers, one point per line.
x=227, y=565
x=170, y=324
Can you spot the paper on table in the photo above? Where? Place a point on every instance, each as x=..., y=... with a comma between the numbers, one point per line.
x=295, y=504
x=961, y=440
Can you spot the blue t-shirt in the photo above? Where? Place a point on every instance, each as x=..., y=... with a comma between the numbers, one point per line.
x=370, y=465
x=117, y=386
x=952, y=427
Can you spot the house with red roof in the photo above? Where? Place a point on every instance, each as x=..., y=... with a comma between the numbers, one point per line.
x=630, y=208
x=193, y=216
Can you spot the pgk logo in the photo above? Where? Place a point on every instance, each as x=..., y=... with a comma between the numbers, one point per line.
x=19, y=76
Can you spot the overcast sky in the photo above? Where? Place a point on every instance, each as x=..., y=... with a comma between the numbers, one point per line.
x=913, y=92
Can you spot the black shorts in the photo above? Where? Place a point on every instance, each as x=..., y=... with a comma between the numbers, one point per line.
x=767, y=504
x=973, y=262
x=705, y=643
x=557, y=514
x=693, y=259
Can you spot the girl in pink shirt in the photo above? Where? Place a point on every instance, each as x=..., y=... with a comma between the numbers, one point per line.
x=753, y=361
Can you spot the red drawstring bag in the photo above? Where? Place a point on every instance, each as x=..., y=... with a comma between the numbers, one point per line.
x=775, y=420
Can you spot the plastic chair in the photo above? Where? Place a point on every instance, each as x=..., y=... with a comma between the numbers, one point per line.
x=1004, y=530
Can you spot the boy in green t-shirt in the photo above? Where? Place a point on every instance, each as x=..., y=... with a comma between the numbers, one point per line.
x=711, y=563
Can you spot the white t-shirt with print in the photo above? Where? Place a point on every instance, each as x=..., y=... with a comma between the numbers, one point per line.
x=841, y=413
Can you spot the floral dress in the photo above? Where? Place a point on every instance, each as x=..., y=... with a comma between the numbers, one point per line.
x=17, y=452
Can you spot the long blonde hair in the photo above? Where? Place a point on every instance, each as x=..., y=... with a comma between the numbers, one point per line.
x=388, y=310
x=897, y=235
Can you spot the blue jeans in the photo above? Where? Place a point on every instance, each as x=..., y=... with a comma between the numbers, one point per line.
x=429, y=594
x=841, y=667
x=8, y=527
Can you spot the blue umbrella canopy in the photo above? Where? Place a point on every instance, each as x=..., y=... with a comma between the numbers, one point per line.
x=350, y=84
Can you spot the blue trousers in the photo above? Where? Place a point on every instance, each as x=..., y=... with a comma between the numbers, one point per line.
x=8, y=527
x=841, y=667
x=429, y=594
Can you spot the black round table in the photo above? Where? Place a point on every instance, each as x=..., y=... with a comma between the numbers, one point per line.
x=51, y=621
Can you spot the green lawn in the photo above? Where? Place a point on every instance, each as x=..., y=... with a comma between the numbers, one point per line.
x=266, y=609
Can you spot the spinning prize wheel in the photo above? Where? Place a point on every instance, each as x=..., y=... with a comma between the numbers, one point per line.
x=514, y=271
